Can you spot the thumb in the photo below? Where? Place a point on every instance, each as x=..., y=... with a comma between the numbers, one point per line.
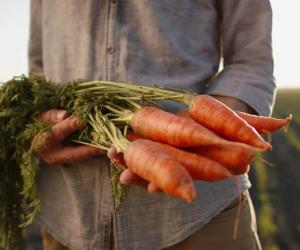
x=53, y=116
x=116, y=157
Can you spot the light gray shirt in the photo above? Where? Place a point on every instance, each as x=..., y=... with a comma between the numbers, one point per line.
x=166, y=42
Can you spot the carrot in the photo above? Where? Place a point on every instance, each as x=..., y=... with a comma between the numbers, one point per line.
x=199, y=167
x=211, y=160
x=133, y=137
x=158, y=125
x=146, y=159
x=264, y=124
x=219, y=118
x=235, y=157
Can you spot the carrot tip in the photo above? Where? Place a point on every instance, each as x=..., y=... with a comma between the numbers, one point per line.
x=187, y=193
x=288, y=120
x=269, y=147
x=265, y=146
x=228, y=174
x=189, y=199
x=223, y=173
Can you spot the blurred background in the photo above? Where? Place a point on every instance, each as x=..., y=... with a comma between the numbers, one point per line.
x=276, y=178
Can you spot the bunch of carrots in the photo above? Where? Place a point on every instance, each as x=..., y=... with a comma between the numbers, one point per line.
x=208, y=141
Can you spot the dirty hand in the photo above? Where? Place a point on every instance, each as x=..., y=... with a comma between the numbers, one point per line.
x=53, y=151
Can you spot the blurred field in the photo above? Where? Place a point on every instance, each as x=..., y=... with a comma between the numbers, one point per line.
x=276, y=188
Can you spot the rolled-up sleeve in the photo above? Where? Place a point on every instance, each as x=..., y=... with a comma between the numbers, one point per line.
x=246, y=28
x=35, y=39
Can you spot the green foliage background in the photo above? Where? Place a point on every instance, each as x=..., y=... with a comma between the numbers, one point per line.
x=276, y=187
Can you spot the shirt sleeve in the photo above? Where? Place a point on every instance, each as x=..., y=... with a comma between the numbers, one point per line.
x=35, y=55
x=246, y=35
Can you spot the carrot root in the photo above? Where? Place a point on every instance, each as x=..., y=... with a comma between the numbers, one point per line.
x=264, y=124
x=145, y=159
x=236, y=157
x=219, y=118
x=199, y=167
x=158, y=125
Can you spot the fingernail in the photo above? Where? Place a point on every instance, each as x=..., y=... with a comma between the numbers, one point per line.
x=79, y=123
x=62, y=115
x=124, y=180
x=74, y=122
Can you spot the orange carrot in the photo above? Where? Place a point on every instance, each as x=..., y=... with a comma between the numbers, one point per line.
x=158, y=125
x=236, y=157
x=264, y=124
x=146, y=159
x=199, y=167
x=133, y=137
x=219, y=118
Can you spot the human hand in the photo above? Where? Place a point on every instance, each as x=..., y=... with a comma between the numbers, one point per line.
x=127, y=176
x=53, y=151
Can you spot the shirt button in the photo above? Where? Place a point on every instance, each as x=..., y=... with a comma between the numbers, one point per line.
x=110, y=50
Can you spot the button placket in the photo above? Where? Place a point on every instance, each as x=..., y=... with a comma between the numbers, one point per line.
x=110, y=45
x=110, y=50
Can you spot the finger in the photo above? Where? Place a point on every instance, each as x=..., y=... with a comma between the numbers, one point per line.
x=53, y=116
x=42, y=142
x=66, y=127
x=153, y=189
x=127, y=177
x=116, y=157
x=69, y=155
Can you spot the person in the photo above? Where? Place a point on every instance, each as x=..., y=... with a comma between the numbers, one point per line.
x=222, y=48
